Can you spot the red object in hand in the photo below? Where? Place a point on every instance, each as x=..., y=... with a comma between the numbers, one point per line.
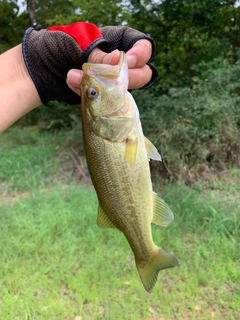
x=50, y=53
x=84, y=33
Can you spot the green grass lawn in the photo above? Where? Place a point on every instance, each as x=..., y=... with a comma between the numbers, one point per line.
x=55, y=263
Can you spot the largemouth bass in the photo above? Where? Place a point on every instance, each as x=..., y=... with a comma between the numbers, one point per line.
x=118, y=160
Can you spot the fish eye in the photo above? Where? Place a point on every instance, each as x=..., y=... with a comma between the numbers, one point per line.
x=92, y=93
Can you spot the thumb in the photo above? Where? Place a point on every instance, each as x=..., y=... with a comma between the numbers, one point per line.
x=98, y=56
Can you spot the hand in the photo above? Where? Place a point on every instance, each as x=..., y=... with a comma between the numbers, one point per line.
x=139, y=72
x=50, y=54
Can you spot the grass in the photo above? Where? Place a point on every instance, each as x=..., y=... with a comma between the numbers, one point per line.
x=27, y=159
x=55, y=263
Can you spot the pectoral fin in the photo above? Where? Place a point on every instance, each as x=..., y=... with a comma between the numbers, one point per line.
x=102, y=220
x=151, y=150
x=131, y=151
x=162, y=214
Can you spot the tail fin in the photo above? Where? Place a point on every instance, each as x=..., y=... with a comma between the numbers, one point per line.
x=148, y=270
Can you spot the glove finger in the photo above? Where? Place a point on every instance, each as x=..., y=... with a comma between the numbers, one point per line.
x=153, y=78
x=123, y=39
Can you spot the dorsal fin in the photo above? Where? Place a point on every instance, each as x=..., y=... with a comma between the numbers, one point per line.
x=152, y=152
x=162, y=214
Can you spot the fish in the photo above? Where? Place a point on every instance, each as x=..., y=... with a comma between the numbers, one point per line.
x=118, y=154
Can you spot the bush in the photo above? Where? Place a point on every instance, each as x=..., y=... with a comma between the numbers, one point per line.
x=53, y=116
x=198, y=125
x=196, y=129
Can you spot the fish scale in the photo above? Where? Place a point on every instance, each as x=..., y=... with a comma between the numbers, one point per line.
x=118, y=156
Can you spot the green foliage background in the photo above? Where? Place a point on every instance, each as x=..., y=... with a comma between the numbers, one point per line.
x=192, y=112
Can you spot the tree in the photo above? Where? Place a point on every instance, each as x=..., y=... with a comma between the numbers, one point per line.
x=104, y=12
x=42, y=12
x=188, y=32
x=12, y=24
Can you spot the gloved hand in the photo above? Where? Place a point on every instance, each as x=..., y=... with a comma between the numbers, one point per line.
x=123, y=39
x=50, y=53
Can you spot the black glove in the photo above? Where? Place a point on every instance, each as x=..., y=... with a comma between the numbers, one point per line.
x=50, y=53
x=123, y=39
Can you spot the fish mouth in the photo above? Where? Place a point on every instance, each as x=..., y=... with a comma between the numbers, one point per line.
x=103, y=71
x=116, y=115
x=117, y=72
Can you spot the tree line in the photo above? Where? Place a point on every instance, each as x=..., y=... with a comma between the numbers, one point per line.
x=196, y=97
x=186, y=32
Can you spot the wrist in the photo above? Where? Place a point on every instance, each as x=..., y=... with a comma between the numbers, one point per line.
x=25, y=77
x=17, y=91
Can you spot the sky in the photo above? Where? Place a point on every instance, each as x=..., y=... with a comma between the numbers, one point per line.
x=22, y=5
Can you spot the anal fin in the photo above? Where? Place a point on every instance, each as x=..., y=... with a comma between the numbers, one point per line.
x=102, y=219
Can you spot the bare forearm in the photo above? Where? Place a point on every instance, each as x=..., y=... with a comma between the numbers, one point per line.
x=17, y=91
